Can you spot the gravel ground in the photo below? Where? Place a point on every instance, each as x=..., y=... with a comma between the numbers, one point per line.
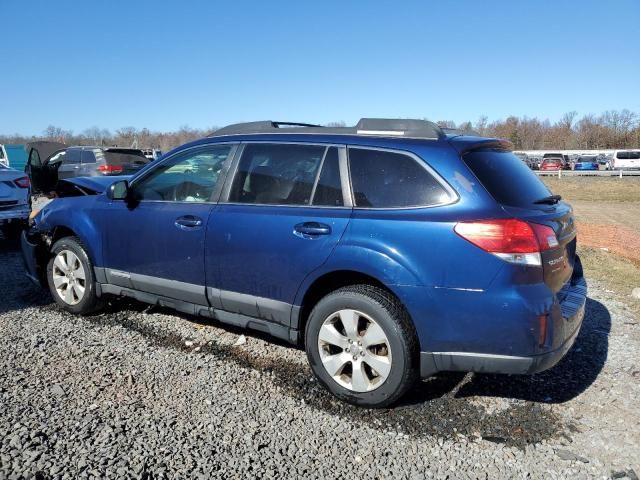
x=144, y=393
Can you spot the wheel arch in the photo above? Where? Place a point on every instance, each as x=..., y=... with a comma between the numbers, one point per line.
x=68, y=220
x=62, y=231
x=331, y=281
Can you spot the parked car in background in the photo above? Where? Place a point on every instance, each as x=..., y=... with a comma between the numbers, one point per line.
x=552, y=163
x=536, y=162
x=587, y=162
x=4, y=158
x=85, y=161
x=626, y=160
x=604, y=161
x=390, y=250
x=152, y=153
x=528, y=161
x=14, y=200
x=565, y=161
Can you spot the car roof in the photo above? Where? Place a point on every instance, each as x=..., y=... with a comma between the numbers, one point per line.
x=462, y=144
x=401, y=134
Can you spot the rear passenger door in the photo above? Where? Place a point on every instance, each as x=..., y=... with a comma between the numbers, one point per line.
x=285, y=211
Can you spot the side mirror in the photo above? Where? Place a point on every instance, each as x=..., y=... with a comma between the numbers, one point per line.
x=118, y=190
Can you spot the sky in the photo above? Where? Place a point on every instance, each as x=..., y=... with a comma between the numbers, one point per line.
x=162, y=64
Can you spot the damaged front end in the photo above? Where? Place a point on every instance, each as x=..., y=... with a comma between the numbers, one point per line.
x=38, y=238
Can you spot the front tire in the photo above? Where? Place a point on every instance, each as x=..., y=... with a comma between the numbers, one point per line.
x=70, y=277
x=362, y=346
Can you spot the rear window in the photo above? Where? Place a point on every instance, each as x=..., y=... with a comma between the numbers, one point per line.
x=506, y=178
x=628, y=155
x=124, y=158
x=551, y=160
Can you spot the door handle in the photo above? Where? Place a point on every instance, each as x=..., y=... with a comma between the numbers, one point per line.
x=311, y=229
x=188, y=222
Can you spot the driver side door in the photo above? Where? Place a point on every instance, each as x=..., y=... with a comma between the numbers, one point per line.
x=156, y=242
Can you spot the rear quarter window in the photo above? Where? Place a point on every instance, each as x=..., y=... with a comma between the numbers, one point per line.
x=383, y=179
x=506, y=178
x=124, y=158
x=88, y=156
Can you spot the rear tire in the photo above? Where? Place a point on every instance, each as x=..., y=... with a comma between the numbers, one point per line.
x=362, y=346
x=71, y=279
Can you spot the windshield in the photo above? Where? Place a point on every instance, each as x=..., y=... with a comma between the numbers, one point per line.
x=506, y=177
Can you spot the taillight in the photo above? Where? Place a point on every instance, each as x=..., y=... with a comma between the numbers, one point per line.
x=546, y=236
x=23, y=182
x=107, y=169
x=512, y=240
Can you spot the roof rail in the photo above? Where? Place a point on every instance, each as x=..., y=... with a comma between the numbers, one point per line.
x=460, y=131
x=398, y=127
x=384, y=127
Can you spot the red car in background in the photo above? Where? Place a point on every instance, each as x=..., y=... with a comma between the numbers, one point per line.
x=552, y=163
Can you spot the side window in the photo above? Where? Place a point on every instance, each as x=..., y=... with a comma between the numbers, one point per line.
x=189, y=177
x=72, y=156
x=277, y=174
x=34, y=158
x=328, y=191
x=88, y=156
x=392, y=180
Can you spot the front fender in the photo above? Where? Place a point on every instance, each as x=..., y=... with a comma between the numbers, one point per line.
x=75, y=214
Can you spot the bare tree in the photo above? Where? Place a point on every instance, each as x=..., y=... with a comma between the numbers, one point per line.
x=611, y=129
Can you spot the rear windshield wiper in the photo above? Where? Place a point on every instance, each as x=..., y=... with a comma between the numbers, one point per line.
x=550, y=200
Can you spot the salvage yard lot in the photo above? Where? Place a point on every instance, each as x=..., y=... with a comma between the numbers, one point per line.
x=608, y=217
x=147, y=393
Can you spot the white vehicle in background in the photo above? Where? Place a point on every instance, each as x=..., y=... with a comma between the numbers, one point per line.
x=4, y=158
x=151, y=153
x=626, y=160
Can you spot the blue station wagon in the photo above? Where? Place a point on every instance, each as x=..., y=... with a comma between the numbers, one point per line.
x=390, y=250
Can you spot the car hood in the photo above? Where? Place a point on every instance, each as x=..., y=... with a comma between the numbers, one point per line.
x=96, y=184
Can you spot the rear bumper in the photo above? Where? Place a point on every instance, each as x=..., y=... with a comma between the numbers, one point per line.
x=16, y=213
x=570, y=313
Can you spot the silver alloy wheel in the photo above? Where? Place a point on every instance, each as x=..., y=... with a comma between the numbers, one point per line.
x=69, y=277
x=354, y=350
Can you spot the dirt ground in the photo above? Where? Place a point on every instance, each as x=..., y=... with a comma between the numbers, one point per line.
x=608, y=216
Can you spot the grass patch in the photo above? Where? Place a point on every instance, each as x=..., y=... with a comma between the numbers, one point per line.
x=607, y=189
x=615, y=273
